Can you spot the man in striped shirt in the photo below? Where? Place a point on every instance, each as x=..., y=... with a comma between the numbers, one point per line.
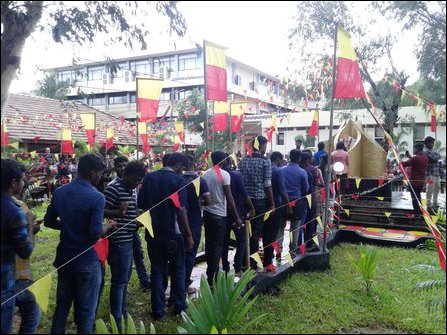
x=121, y=204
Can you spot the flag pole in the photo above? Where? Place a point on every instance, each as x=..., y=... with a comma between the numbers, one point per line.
x=136, y=120
x=328, y=170
x=205, y=97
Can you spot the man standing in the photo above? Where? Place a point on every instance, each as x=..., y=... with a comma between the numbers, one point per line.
x=194, y=217
x=274, y=222
x=122, y=191
x=241, y=198
x=257, y=173
x=312, y=175
x=120, y=164
x=215, y=215
x=297, y=186
x=80, y=208
x=15, y=239
x=418, y=164
x=319, y=153
x=168, y=244
x=433, y=177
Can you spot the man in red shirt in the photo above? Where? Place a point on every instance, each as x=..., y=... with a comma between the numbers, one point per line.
x=418, y=164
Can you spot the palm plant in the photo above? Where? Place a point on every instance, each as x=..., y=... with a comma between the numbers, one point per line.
x=220, y=310
x=127, y=328
x=126, y=150
x=427, y=286
x=366, y=265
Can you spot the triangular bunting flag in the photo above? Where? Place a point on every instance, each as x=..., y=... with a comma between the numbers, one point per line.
x=357, y=182
x=175, y=199
x=388, y=214
x=234, y=158
x=323, y=194
x=102, y=250
x=146, y=220
x=33, y=154
x=434, y=218
x=216, y=169
x=346, y=211
x=256, y=143
x=41, y=290
x=309, y=200
x=303, y=249
x=315, y=239
x=15, y=145
x=319, y=221
x=256, y=257
x=267, y=215
x=196, y=183
x=292, y=203
x=289, y=259
x=380, y=198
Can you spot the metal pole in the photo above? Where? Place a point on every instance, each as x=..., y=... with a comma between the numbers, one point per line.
x=136, y=120
x=328, y=170
x=206, y=103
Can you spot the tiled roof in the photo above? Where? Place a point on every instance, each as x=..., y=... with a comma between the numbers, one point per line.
x=28, y=117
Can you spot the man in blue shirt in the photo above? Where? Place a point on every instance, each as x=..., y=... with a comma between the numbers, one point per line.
x=319, y=153
x=297, y=186
x=80, y=207
x=194, y=205
x=168, y=244
x=15, y=236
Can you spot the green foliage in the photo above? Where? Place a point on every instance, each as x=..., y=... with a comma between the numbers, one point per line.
x=81, y=148
x=428, y=286
x=129, y=328
x=126, y=150
x=222, y=308
x=50, y=87
x=366, y=265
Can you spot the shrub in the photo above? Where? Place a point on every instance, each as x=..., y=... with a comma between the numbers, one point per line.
x=366, y=266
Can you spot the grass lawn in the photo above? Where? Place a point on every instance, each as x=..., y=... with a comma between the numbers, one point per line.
x=321, y=302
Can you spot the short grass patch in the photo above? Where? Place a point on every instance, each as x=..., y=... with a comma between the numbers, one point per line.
x=333, y=301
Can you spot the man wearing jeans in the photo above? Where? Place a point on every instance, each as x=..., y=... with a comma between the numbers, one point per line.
x=122, y=191
x=433, y=177
x=80, y=207
x=257, y=173
x=15, y=240
x=215, y=215
x=169, y=242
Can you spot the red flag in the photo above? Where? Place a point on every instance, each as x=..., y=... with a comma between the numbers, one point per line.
x=4, y=135
x=302, y=248
x=276, y=247
x=355, y=197
x=380, y=182
x=270, y=134
x=292, y=203
x=313, y=130
x=216, y=169
x=122, y=119
x=248, y=149
x=176, y=147
x=175, y=199
x=323, y=194
x=215, y=73
x=102, y=250
x=109, y=140
x=206, y=155
x=433, y=116
x=441, y=253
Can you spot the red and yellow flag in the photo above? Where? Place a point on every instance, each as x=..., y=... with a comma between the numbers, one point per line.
x=88, y=121
x=142, y=131
x=4, y=135
x=215, y=73
x=180, y=129
x=67, y=145
x=109, y=139
x=348, y=83
x=433, y=116
x=220, y=115
x=148, y=98
x=313, y=130
x=237, y=110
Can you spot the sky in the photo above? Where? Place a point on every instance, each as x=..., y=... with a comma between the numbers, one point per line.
x=255, y=33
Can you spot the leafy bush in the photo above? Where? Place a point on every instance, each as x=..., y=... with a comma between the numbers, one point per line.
x=101, y=327
x=220, y=310
x=366, y=266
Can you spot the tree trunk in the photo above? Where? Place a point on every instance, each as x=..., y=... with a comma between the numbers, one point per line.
x=17, y=26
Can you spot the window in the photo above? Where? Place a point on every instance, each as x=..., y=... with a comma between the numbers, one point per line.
x=184, y=94
x=165, y=96
x=419, y=132
x=187, y=63
x=378, y=132
x=133, y=97
x=237, y=79
x=140, y=67
x=95, y=72
x=168, y=63
x=67, y=75
x=280, y=139
x=97, y=100
x=116, y=99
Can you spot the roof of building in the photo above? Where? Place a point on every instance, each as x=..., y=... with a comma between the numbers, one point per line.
x=36, y=118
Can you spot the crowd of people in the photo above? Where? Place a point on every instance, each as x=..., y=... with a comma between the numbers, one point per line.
x=91, y=205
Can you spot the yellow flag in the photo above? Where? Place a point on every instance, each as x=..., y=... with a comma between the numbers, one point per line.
x=256, y=257
x=424, y=202
x=288, y=118
x=234, y=158
x=405, y=181
x=434, y=218
x=291, y=236
x=256, y=143
x=309, y=200
x=249, y=228
x=202, y=124
x=214, y=330
x=56, y=156
x=146, y=220
x=388, y=214
x=41, y=290
x=380, y=198
x=196, y=183
x=357, y=182
x=267, y=215
x=142, y=128
x=315, y=239
x=15, y=145
x=319, y=221
x=289, y=259
x=346, y=211
x=33, y=154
